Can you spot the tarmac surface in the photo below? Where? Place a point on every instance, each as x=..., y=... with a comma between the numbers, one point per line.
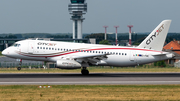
x=93, y=78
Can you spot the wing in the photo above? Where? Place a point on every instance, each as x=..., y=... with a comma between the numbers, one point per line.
x=91, y=60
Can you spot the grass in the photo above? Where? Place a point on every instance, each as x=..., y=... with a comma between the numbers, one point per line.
x=93, y=70
x=90, y=93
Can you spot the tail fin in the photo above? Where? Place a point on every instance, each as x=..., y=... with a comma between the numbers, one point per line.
x=156, y=39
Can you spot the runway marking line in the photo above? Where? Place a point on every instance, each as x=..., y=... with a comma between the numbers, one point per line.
x=94, y=82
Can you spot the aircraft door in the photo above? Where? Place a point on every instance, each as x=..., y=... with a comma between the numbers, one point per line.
x=132, y=56
x=30, y=47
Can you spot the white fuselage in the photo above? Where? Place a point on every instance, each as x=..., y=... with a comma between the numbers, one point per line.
x=51, y=51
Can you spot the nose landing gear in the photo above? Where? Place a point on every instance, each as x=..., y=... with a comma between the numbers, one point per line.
x=19, y=68
x=84, y=71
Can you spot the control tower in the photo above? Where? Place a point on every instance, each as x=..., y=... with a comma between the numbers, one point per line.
x=77, y=8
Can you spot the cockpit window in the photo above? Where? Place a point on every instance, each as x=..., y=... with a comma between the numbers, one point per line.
x=16, y=45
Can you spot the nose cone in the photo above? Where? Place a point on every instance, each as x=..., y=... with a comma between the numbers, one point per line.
x=9, y=52
x=4, y=52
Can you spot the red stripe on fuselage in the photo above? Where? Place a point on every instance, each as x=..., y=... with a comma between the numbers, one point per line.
x=93, y=50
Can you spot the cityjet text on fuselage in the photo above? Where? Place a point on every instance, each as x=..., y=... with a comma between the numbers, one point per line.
x=46, y=44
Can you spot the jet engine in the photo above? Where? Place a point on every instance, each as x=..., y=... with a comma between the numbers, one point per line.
x=68, y=64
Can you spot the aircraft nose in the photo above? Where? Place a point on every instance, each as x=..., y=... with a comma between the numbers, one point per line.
x=4, y=52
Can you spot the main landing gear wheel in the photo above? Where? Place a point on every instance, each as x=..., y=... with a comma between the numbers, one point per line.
x=84, y=71
x=19, y=68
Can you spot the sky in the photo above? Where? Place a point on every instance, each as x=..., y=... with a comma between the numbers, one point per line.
x=52, y=16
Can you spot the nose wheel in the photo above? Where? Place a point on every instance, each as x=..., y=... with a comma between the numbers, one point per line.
x=84, y=71
x=19, y=68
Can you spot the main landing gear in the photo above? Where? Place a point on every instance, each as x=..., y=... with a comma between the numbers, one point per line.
x=19, y=68
x=84, y=71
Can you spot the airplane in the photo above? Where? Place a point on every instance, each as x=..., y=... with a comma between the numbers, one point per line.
x=67, y=55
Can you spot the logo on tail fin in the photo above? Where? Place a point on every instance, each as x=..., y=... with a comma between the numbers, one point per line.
x=155, y=35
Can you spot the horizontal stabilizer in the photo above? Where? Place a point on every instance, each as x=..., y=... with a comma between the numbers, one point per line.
x=161, y=54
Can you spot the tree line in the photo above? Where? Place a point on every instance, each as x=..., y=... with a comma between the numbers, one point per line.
x=136, y=37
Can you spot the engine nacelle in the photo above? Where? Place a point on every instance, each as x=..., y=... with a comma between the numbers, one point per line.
x=67, y=64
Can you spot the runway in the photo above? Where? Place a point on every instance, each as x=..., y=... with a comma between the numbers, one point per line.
x=93, y=78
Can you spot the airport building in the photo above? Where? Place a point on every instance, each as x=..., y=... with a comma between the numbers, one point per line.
x=77, y=8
